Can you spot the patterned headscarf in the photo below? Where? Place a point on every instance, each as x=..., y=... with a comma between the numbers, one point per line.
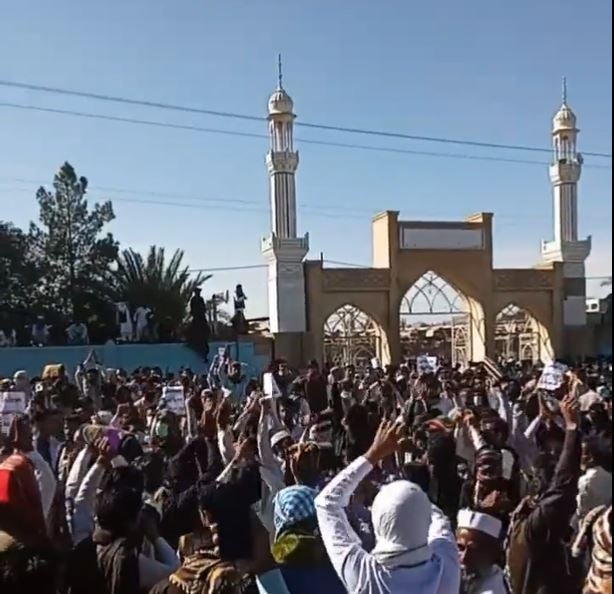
x=204, y=573
x=292, y=506
x=599, y=580
x=21, y=511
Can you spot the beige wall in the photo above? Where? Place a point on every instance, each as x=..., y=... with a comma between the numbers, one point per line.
x=378, y=291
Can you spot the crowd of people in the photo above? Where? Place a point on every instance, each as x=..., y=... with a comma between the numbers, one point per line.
x=393, y=480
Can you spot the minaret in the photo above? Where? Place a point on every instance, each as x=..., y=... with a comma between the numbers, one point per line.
x=283, y=249
x=565, y=172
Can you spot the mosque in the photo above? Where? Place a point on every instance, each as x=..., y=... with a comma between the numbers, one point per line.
x=431, y=287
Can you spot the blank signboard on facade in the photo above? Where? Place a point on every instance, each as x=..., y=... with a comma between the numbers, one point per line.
x=441, y=238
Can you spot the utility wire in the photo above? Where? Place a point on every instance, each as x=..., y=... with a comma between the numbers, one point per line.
x=192, y=128
x=316, y=210
x=354, y=265
x=327, y=127
x=228, y=268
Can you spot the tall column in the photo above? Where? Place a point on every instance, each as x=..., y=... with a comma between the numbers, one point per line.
x=565, y=172
x=283, y=249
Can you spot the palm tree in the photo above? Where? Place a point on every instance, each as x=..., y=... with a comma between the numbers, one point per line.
x=164, y=287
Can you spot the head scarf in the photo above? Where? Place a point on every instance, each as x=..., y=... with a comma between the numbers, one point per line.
x=21, y=510
x=205, y=573
x=293, y=505
x=596, y=531
x=401, y=519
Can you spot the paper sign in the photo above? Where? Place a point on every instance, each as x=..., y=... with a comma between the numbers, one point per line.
x=11, y=404
x=174, y=398
x=426, y=364
x=552, y=377
x=270, y=387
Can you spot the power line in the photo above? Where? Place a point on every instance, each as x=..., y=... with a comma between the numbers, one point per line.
x=192, y=128
x=354, y=265
x=249, y=266
x=228, y=268
x=307, y=211
x=316, y=210
x=327, y=127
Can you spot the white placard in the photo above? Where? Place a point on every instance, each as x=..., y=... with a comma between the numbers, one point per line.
x=270, y=387
x=426, y=364
x=552, y=377
x=11, y=404
x=174, y=398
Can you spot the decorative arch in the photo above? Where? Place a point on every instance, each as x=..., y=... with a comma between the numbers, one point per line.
x=351, y=336
x=519, y=335
x=431, y=294
x=438, y=318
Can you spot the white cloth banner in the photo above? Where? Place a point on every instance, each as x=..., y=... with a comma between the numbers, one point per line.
x=174, y=398
x=11, y=404
x=552, y=376
x=270, y=387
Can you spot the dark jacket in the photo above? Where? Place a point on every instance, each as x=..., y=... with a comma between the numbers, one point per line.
x=538, y=556
x=102, y=565
x=307, y=580
x=316, y=393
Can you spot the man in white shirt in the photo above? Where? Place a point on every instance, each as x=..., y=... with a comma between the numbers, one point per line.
x=595, y=485
x=415, y=549
x=141, y=321
x=479, y=545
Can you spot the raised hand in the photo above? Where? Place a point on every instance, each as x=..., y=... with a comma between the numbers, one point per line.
x=387, y=441
x=570, y=408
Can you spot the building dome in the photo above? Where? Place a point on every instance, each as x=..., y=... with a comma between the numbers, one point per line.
x=564, y=119
x=280, y=102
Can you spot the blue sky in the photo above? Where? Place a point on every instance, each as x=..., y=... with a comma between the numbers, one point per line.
x=478, y=69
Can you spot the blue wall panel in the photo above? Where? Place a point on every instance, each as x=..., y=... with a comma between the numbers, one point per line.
x=126, y=356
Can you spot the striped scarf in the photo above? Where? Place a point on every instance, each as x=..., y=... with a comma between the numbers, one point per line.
x=599, y=580
x=204, y=573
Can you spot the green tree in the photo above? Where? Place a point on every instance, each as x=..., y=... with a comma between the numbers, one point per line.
x=19, y=276
x=164, y=287
x=74, y=256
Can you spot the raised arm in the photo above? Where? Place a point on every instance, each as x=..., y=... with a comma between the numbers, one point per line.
x=356, y=568
x=558, y=505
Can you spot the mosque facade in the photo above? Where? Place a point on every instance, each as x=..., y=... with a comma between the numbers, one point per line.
x=431, y=286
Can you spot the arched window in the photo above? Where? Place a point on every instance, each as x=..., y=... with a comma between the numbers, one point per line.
x=352, y=337
x=431, y=294
x=437, y=319
x=517, y=334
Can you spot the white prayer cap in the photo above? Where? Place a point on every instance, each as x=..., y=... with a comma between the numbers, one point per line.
x=278, y=437
x=102, y=417
x=472, y=520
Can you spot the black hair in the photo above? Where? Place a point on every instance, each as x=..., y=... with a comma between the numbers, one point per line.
x=41, y=416
x=124, y=477
x=25, y=570
x=117, y=508
x=229, y=505
x=600, y=450
x=152, y=467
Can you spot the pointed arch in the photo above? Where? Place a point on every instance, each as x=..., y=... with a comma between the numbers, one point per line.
x=520, y=335
x=432, y=294
x=438, y=309
x=351, y=336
